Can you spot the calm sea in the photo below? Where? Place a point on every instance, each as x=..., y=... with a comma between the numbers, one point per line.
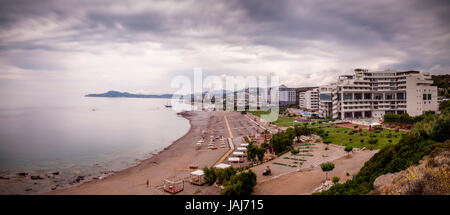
x=83, y=136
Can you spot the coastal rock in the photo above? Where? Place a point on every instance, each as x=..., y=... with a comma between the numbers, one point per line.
x=325, y=186
x=36, y=177
x=4, y=177
x=22, y=173
x=79, y=178
x=56, y=173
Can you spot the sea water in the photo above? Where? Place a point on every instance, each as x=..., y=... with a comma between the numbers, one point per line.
x=81, y=136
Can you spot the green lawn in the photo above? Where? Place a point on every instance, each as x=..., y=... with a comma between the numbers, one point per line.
x=280, y=122
x=341, y=136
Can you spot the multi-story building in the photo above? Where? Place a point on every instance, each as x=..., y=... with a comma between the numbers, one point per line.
x=309, y=99
x=286, y=95
x=373, y=94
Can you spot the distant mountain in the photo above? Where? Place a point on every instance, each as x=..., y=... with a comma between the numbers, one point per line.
x=116, y=94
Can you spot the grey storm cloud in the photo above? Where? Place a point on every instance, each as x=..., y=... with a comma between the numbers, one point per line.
x=404, y=34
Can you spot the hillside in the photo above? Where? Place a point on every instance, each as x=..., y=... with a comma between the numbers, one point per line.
x=430, y=177
x=116, y=94
x=443, y=83
x=428, y=135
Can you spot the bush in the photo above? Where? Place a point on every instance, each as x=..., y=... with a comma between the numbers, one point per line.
x=335, y=179
x=348, y=149
x=209, y=175
x=240, y=184
x=402, y=118
x=327, y=141
x=394, y=158
x=355, y=126
x=281, y=142
x=373, y=141
x=223, y=175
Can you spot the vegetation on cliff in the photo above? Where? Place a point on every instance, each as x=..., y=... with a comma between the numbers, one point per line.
x=429, y=134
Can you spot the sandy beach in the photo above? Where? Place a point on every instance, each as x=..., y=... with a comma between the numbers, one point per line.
x=175, y=160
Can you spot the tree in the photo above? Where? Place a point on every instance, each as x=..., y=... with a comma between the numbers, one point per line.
x=252, y=151
x=444, y=105
x=240, y=184
x=260, y=153
x=209, y=175
x=301, y=130
x=224, y=175
x=348, y=149
x=326, y=167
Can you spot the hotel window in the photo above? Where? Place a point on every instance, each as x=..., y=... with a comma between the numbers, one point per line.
x=389, y=96
x=348, y=96
x=424, y=97
x=429, y=96
x=400, y=96
x=378, y=96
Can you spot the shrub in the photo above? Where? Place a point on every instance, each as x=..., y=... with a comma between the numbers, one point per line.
x=223, y=175
x=373, y=141
x=355, y=126
x=362, y=140
x=209, y=175
x=348, y=149
x=240, y=184
x=335, y=179
x=394, y=158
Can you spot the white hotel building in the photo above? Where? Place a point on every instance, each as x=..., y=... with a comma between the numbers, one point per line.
x=309, y=99
x=373, y=94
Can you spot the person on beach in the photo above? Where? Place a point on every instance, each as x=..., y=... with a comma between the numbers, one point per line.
x=147, y=182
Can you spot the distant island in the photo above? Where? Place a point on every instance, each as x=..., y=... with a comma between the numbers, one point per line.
x=116, y=94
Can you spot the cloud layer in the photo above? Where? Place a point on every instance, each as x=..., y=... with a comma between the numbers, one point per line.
x=89, y=46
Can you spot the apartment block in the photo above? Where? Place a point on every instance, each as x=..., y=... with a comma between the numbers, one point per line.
x=286, y=95
x=373, y=94
x=309, y=99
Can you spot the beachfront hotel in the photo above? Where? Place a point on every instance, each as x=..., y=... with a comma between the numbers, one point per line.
x=286, y=95
x=373, y=94
x=309, y=100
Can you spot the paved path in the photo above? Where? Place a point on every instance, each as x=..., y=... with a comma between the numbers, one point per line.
x=230, y=143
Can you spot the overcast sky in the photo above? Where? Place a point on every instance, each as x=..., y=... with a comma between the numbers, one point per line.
x=138, y=46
